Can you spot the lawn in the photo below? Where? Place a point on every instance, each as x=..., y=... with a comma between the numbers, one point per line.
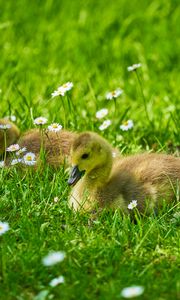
x=91, y=43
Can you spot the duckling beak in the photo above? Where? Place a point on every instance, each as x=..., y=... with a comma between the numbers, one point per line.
x=75, y=175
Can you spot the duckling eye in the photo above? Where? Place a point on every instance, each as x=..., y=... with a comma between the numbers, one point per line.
x=85, y=155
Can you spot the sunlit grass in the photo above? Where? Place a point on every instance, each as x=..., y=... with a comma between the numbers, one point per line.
x=43, y=45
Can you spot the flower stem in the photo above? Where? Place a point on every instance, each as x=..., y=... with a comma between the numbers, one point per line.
x=143, y=97
x=115, y=107
x=5, y=144
x=3, y=263
x=42, y=152
x=72, y=109
x=64, y=108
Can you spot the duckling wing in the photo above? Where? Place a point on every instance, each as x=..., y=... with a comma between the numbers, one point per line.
x=141, y=177
x=121, y=189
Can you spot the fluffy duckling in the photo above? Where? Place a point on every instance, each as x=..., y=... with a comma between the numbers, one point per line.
x=12, y=134
x=56, y=145
x=100, y=182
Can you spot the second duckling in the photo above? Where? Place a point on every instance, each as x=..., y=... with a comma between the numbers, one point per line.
x=101, y=182
x=56, y=145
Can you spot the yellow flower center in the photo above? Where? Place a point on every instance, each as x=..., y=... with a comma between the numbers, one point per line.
x=29, y=158
x=125, y=123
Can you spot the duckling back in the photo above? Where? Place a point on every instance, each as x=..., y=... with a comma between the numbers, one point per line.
x=56, y=145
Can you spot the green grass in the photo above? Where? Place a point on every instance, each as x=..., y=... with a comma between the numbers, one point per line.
x=44, y=44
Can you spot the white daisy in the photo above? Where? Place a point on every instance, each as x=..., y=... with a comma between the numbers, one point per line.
x=4, y=226
x=66, y=86
x=55, y=127
x=20, y=151
x=16, y=161
x=114, y=94
x=56, y=199
x=13, y=148
x=132, y=291
x=101, y=113
x=176, y=217
x=54, y=282
x=62, y=89
x=53, y=258
x=2, y=164
x=5, y=126
x=29, y=159
x=133, y=67
x=11, y=118
x=105, y=125
x=40, y=121
x=114, y=154
x=132, y=204
x=127, y=125
x=57, y=93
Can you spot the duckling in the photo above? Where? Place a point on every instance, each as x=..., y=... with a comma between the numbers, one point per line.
x=12, y=134
x=56, y=145
x=99, y=182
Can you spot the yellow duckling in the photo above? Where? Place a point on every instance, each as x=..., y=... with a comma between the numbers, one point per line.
x=101, y=182
x=12, y=134
x=56, y=145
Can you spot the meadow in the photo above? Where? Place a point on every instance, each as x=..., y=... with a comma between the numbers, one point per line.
x=43, y=45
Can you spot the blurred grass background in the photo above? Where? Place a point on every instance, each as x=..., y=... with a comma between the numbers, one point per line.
x=44, y=43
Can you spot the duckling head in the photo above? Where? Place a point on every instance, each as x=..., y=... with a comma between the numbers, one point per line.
x=90, y=155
